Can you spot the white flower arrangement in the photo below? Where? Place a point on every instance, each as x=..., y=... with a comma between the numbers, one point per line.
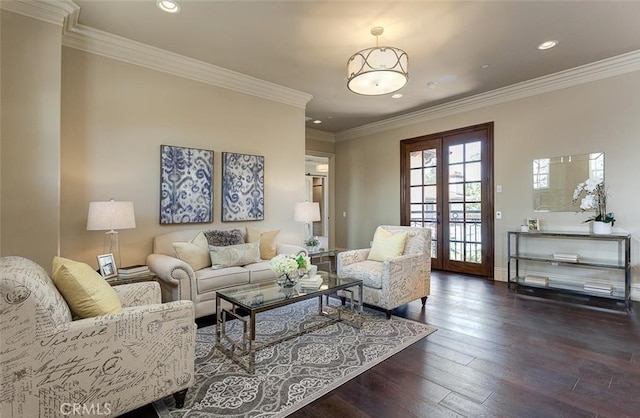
x=593, y=195
x=289, y=264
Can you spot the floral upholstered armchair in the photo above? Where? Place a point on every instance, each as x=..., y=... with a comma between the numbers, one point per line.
x=52, y=365
x=394, y=276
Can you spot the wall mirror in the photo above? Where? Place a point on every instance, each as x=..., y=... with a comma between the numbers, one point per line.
x=555, y=179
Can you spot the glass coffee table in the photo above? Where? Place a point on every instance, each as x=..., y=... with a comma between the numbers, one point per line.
x=254, y=298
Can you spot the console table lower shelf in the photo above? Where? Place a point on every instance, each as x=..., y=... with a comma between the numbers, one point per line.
x=572, y=292
x=260, y=297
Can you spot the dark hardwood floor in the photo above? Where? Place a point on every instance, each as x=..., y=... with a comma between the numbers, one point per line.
x=498, y=354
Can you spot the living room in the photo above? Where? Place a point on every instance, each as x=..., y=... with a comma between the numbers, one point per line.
x=79, y=125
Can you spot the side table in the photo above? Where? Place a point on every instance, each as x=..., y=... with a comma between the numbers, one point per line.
x=326, y=257
x=116, y=281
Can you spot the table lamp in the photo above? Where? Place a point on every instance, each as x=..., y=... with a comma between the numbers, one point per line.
x=110, y=216
x=307, y=212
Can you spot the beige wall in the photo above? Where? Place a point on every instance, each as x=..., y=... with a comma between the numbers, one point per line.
x=598, y=116
x=320, y=146
x=116, y=115
x=30, y=153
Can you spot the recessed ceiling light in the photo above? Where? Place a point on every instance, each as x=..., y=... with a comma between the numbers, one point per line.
x=547, y=44
x=169, y=6
x=317, y=121
x=485, y=66
x=432, y=84
x=396, y=96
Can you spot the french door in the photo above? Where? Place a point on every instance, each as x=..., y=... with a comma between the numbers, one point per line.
x=447, y=186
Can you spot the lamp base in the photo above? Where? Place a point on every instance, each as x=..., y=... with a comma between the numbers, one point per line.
x=112, y=246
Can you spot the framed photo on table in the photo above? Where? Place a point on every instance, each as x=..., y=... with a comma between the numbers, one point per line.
x=533, y=224
x=107, y=266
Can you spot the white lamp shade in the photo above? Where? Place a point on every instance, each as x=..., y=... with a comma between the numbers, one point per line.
x=307, y=212
x=111, y=215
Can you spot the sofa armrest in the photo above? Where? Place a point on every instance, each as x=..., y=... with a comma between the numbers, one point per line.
x=139, y=294
x=289, y=249
x=177, y=278
x=345, y=258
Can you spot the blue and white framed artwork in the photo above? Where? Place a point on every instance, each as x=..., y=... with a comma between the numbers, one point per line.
x=242, y=187
x=186, y=185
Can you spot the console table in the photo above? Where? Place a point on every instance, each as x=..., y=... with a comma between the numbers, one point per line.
x=583, y=266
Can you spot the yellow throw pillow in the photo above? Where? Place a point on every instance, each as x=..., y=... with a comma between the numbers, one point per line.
x=267, y=242
x=387, y=245
x=195, y=253
x=86, y=292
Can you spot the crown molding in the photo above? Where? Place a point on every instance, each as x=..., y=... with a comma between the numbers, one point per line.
x=318, y=135
x=598, y=70
x=122, y=49
x=46, y=11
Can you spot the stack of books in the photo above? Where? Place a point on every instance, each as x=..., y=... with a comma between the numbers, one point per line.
x=598, y=288
x=133, y=271
x=311, y=282
x=572, y=258
x=537, y=280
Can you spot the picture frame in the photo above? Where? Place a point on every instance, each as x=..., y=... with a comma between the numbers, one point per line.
x=186, y=185
x=107, y=264
x=533, y=224
x=242, y=187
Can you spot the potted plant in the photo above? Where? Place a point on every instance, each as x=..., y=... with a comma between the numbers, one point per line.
x=593, y=195
x=312, y=244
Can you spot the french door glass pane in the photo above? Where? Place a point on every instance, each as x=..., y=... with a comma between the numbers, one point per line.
x=472, y=171
x=473, y=151
x=416, y=177
x=430, y=158
x=415, y=159
x=456, y=154
x=456, y=174
x=416, y=195
x=430, y=175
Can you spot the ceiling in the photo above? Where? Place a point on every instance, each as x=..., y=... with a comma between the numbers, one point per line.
x=305, y=44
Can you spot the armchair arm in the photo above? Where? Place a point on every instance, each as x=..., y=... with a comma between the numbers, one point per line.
x=177, y=278
x=406, y=278
x=344, y=258
x=139, y=294
x=122, y=360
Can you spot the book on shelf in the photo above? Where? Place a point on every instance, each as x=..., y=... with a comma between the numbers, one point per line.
x=598, y=288
x=565, y=257
x=137, y=268
x=538, y=280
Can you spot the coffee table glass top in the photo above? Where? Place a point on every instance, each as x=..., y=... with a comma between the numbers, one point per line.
x=269, y=294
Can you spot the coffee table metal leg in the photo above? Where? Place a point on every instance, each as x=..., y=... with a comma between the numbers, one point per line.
x=252, y=344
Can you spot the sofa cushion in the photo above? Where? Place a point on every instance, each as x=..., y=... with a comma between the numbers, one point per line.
x=370, y=272
x=387, y=245
x=85, y=291
x=260, y=272
x=221, y=238
x=195, y=253
x=267, y=240
x=234, y=255
x=209, y=280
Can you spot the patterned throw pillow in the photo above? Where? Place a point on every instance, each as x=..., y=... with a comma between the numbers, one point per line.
x=221, y=238
x=234, y=255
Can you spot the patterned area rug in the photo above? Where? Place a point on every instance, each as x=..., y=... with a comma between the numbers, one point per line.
x=291, y=374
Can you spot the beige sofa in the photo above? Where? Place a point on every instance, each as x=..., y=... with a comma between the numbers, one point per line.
x=179, y=281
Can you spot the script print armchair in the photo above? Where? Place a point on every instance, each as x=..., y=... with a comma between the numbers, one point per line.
x=397, y=280
x=105, y=365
